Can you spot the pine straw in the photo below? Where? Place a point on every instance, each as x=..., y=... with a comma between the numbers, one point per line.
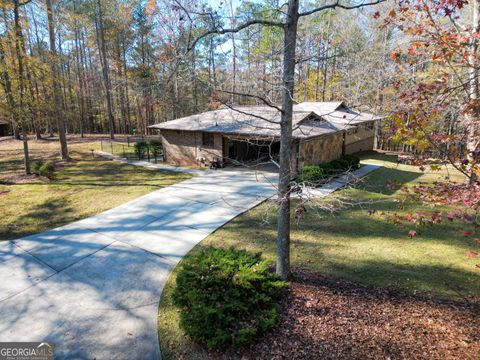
x=323, y=318
x=330, y=319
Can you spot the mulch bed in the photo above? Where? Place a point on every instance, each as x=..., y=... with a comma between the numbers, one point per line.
x=324, y=318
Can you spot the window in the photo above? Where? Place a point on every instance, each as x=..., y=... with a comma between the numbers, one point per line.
x=207, y=140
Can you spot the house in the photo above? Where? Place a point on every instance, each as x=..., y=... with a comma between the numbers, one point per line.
x=4, y=128
x=322, y=131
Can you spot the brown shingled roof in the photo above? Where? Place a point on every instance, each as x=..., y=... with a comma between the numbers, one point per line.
x=310, y=119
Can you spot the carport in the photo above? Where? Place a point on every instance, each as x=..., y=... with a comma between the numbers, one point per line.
x=245, y=150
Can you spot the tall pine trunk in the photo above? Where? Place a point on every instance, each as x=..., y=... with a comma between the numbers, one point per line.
x=106, y=77
x=57, y=97
x=20, y=51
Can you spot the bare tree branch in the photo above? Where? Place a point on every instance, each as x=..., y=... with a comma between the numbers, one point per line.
x=337, y=4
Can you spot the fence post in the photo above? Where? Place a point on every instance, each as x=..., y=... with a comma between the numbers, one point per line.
x=148, y=154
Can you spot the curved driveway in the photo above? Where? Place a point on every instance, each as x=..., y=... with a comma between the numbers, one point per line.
x=92, y=287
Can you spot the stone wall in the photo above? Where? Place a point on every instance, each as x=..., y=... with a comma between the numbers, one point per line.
x=185, y=148
x=320, y=150
x=359, y=139
x=361, y=145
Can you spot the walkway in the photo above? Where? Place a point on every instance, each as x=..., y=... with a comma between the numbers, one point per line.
x=92, y=287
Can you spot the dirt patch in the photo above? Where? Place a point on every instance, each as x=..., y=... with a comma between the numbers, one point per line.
x=324, y=318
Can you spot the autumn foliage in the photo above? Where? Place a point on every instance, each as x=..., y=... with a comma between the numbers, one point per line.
x=438, y=107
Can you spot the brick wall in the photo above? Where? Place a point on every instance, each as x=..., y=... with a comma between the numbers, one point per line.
x=185, y=147
x=320, y=150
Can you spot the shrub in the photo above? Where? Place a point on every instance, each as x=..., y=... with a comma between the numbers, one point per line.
x=47, y=170
x=353, y=161
x=141, y=149
x=318, y=174
x=155, y=147
x=227, y=297
x=310, y=173
x=36, y=166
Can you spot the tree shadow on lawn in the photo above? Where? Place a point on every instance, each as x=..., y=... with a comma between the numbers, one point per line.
x=54, y=211
x=377, y=181
x=426, y=280
x=368, y=249
x=112, y=171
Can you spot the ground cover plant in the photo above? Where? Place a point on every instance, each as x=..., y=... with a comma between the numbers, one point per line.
x=227, y=297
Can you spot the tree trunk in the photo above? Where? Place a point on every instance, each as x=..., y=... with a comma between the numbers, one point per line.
x=56, y=86
x=7, y=89
x=80, y=77
x=120, y=90
x=233, y=99
x=473, y=119
x=20, y=50
x=106, y=78
x=127, y=98
x=283, y=227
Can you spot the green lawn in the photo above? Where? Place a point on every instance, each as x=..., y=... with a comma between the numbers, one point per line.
x=84, y=187
x=353, y=245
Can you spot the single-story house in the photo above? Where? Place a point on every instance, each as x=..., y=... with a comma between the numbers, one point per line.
x=4, y=128
x=322, y=131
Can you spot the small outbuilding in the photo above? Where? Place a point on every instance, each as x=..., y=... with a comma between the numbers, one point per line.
x=322, y=131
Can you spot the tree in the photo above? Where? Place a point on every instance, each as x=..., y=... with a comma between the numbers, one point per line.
x=439, y=89
x=20, y=51
x=105, y=69
x=56, y=87
x=289, y=25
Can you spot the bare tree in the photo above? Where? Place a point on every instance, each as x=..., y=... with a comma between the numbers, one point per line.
x=473, y=133
x=289, y=26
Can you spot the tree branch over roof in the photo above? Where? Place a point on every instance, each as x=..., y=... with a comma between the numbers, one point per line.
x=337, y=4
x=258, y=97
x=221, y=31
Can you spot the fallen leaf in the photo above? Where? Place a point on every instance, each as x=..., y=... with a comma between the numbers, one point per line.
x=471, y=253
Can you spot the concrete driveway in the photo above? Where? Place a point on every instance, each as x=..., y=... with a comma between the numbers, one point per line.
x=92, y=287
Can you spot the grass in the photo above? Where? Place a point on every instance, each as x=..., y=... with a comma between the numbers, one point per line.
x=85, y=186
x=353, y=245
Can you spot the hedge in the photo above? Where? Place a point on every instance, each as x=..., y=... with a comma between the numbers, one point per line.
x=319, y=174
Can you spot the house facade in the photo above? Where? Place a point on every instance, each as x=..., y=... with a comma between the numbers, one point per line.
x=322, y=131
